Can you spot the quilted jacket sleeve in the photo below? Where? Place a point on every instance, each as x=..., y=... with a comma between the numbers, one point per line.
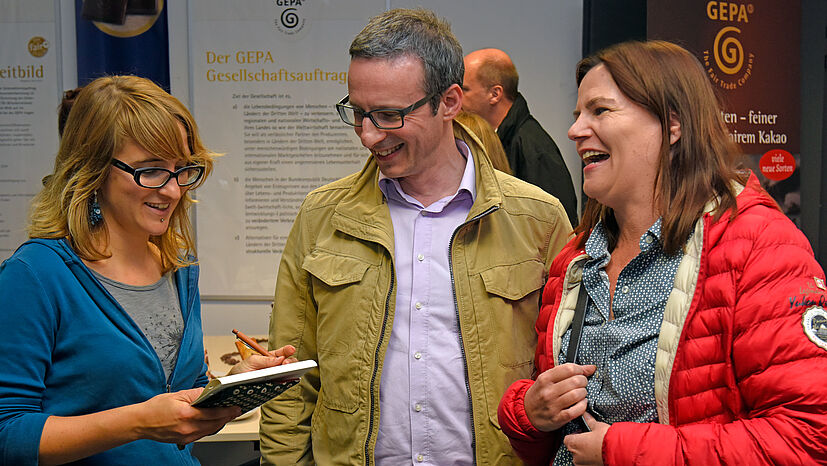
x=533, y=446
x=772, y=384
x=285, y=421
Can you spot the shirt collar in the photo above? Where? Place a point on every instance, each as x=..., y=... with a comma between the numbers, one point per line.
x=597, y=246
x=468, y=184
x=652, y=237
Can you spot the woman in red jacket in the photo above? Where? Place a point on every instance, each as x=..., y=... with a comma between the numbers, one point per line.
x=705, y=335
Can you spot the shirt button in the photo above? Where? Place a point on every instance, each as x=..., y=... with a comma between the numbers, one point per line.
x=417, y=407
x=420, y=458
x=625, y=289
x=648, y=240
x=420, y=257
x=418, y=305
x=417, y=355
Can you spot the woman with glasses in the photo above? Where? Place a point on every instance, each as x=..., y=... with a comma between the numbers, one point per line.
x=101, y=349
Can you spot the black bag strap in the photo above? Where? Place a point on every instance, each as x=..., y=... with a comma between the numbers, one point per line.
x=577, y=324
x=574, y=342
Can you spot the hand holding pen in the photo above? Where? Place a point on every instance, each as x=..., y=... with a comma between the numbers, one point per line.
x=264, y=358
x=250, y=343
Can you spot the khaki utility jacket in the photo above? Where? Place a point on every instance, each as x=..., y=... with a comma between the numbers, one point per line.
x=335, y=302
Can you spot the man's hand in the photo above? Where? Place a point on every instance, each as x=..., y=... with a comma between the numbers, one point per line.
x=256, y=361
x=557, y=396
x=587, y=448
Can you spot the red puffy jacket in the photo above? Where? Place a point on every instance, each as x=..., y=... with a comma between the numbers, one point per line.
x=741, y=366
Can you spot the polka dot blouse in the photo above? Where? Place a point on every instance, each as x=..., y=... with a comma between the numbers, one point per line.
x=623, y=348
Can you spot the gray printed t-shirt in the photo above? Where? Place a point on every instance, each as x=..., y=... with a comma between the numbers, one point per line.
x=156, y=310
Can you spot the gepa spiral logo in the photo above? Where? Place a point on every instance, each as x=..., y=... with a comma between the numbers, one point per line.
x=728, y=64
x=290, y=21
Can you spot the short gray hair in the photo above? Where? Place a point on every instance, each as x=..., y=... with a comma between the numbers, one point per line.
x=418, y=33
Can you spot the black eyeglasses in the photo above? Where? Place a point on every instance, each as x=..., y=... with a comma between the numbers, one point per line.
x=382, y=118
x=156, y=177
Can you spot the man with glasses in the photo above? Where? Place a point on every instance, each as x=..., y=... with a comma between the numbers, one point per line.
x=414, y=283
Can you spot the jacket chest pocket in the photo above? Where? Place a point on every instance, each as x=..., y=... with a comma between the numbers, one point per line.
x=514, y=303
x=343, y=289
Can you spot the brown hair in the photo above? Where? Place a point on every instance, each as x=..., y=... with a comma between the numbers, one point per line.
x=65, y=106
x=700, y=167
x=418, y=33
x=106, y=114
x=473, y=124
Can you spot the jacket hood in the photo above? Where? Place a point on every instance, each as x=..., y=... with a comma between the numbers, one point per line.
x=59, y=246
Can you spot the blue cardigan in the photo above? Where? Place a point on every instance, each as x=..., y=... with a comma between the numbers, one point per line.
x=68, y=348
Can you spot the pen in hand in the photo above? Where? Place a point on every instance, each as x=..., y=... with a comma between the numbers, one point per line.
x=251, y=343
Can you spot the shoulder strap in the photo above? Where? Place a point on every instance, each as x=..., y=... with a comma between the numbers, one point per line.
x=577, y=324
x=574, y=342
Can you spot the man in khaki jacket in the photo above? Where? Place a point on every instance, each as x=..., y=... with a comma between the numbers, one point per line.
x=414, y=283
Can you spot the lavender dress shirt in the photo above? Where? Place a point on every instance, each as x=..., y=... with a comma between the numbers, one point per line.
x=423, y=399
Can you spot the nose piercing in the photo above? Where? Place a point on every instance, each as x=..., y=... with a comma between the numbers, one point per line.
x=162, y=219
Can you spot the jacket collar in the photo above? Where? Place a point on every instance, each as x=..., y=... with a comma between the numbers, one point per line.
x=392, y=189
x=363, y=212
x=516, y=116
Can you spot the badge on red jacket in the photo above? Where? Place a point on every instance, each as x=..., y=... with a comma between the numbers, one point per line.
x=814, y=321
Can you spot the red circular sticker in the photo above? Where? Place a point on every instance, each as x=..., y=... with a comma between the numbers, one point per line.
x=777, y=164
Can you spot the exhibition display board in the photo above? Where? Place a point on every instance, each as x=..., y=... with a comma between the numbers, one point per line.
x=28, y=120
x=265, y=79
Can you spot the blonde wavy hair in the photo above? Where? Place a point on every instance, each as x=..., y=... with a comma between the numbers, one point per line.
x=473, y=124
x=107, y=113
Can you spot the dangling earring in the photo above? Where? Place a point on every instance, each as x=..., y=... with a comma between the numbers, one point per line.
x=95, y=213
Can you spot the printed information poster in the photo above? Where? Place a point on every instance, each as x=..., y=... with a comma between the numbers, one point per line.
x=751, y=53
x=28, y=115
x=265, y=78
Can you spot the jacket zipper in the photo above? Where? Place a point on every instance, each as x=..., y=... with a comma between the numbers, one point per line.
x=368, y=459
x=459, y=328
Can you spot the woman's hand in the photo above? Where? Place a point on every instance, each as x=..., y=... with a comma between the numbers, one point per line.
x=169, y=418
x=165, y=418
x=587, y=448
x=557, y=396
x=256, y=361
